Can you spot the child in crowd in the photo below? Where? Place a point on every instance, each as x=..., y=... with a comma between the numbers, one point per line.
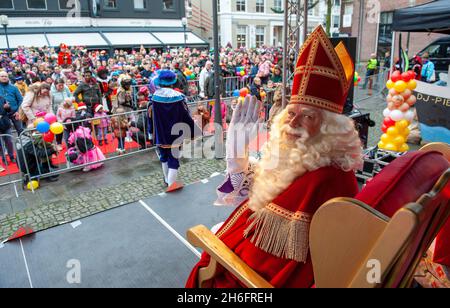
x=120, y=126
x=65, y=111
x=81, y=147
x=101, y=125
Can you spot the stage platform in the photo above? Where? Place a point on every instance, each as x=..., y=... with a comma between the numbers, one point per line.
x=139, y=245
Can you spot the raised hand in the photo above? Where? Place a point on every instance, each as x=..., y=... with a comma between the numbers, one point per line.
x=242, y=130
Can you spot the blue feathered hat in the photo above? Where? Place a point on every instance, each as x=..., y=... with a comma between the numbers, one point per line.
x=166, y=78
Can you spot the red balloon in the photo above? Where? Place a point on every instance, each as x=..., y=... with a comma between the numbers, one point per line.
x=384, y=128
x=48, y=137
x=388, y=122
x=396, y=76
x=243, y=92
x=406, y=77
x=412, y=74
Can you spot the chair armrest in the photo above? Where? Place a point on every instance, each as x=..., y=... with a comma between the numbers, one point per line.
x=202, y=237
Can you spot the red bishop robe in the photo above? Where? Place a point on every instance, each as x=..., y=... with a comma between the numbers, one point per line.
x=64, y=58
x=289, y=216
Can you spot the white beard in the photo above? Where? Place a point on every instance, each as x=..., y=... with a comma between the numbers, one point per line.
x=281, y=164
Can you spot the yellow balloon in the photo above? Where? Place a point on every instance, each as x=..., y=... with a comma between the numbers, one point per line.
x=37, y=121
x=400, y=86
x=57, y=128
x=381, y=145
x=390, y=147
x=405, y=133
x=399, y=140
x=385, y=138
x=401, y=125
x=403, y=148
x=412, y=85
x=392, y=131
x=33, y=185
x=390, y=84
x=75, y=105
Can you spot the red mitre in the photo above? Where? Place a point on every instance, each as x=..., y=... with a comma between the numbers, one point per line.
x=323, y=74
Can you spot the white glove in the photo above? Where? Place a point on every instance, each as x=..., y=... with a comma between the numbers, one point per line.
x=243, y=128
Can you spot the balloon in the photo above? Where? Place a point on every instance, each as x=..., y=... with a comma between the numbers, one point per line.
x=390, y=84
x=397, y=115
x=50, y=118
x=407, y=94
x=57, y=128
x=389, y=98
x=388, y=122
x=386, y=113
x=243, y=92
x=403, y=148
x=409, y=116
x=391, y=106
x=412, y=100
x=405, y=132
x=236, y=93
x=385, y=138
x=241, y=100
x=193, y=76
x=401, y=125
x=406, y=77
x=404, y=107
x=381, y=145
x=399, y=140
x=396, y=76
x=390, y=147
x=75, y=105
x=37, y=121
x=412, y=85
x=263, y=94
x=392, y=131
x=398, y=100
x=400, y=86
x=392, y=92
x=43, y=127
x=48, y=137
x=412, y=74
x=33, y=185
x=242, y=73
x=384, y=128
x=40, y=114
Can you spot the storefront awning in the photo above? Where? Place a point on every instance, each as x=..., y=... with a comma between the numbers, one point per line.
x=76, y=39
x=29, y=40
x=177, y=38
x=131, y=38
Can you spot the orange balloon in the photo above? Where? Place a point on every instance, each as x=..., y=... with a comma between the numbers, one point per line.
x=412, y=85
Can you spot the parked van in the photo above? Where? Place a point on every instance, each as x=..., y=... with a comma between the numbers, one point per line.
x=439, y=52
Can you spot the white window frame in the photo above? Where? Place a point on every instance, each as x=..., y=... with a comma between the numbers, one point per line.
x=245, y=5
x=263, y=35
x=278, y=7
x=32, y=9
x=110, y=8
x=140, y=9
x=238, y=33
x=11, y=9
x=263, y=5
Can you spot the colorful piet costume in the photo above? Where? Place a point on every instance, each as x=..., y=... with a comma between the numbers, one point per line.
x=172, y=124
x=273, y=240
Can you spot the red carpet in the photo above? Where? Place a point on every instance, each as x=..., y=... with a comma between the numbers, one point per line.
x=60, y=159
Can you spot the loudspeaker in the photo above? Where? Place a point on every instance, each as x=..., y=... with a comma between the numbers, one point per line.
x=351, y=45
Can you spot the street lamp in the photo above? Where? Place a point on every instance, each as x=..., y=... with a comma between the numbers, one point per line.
x=184, y=23
x=5, y=23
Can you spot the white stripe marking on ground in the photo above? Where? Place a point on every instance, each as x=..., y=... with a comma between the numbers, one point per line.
x=172, y=230
x=26, y=264
x=205, y=181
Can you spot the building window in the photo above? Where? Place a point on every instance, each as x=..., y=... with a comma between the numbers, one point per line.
x=260, y=36
x=278, y=5
x=348, y=10
x=6, y=4
x=168, y=5
x=110, y=4
x=385, y=33
x=37, y=4
x=240, y=5
x=140, y=4
x=336, y=21
x=337, y=2
x=241, y=36
x=260, y=6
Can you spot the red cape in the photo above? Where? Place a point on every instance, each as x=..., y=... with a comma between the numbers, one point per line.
x=306, y=193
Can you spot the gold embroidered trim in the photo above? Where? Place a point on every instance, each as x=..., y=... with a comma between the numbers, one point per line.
x=233, y=220
x=300, y=216
x=316, y=102
x=317, y=70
